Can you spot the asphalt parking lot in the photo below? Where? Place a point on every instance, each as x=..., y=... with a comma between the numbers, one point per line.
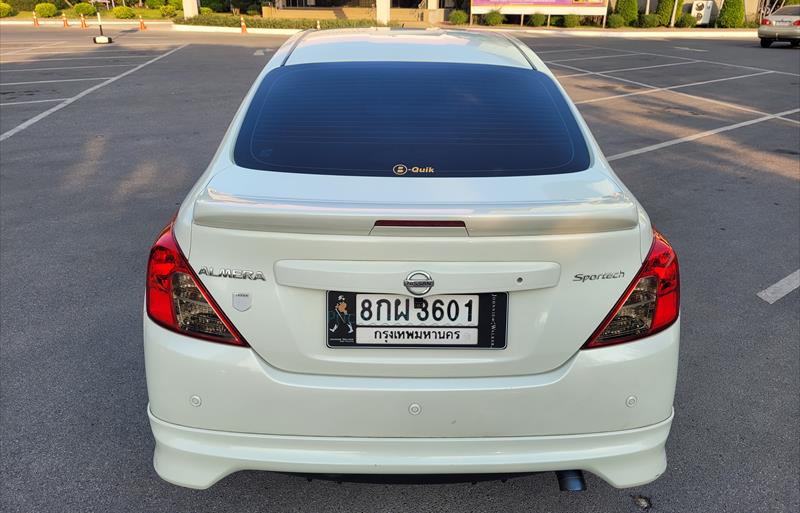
x=100, y=144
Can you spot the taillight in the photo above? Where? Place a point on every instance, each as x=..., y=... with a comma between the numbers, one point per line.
x=177, y=300
x=650, y=304
x=796, y=23
x=766, y=21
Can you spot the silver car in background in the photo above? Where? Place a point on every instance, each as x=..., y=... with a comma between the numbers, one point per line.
x=781, y=25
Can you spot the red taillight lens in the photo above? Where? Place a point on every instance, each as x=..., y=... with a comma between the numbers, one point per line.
x=177, y=300
x=766, y=21
x=650, y=304
x=796, y=23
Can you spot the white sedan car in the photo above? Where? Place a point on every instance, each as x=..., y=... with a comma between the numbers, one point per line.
x=781, y=25
x=409, y=256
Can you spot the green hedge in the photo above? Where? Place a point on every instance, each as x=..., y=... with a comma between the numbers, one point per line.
x=628, y=9
x=732, y=14
x=206, y=10
x=493, y=18
x=154, y=4
x=85, y=8
x=615, y=21
x=536, y=20
x=5, y=10
x=458, y=17
x=227, y=20
x=648, y=20
x=664, y=11
x=686, y=20
x=168, y=11
x=214, y=5
x=571, y=20
x=30, y=5
x=123, y=13
x=45, y=10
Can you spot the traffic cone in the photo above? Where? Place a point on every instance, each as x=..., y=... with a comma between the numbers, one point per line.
x=83, y=22
x=35, y=20
x=244, y=27
x=64, y=20
x=142, y=26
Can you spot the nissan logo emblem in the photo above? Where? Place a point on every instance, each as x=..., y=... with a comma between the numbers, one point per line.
x=418, y=283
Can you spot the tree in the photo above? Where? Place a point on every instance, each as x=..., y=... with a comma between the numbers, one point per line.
x=732, y=14
x=628, y=9
x=664, y=11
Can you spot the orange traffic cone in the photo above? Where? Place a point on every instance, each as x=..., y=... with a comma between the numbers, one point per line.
x=64, y=19
x=35, y=20
x=142, y=26
x=83, y=22
x=244, y=27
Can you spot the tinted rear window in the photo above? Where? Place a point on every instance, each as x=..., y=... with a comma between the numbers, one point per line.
x=427, y=119
x=791, y=10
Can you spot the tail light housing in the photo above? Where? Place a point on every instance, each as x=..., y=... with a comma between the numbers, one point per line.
x=650, y=304
x=766, y=21
x=178, y=301
x=796, y=23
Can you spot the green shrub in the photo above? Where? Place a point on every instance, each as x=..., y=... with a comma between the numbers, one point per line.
x=45, y=10
x=228, y=20
x=85, y=8
x=493, y=18
x=167, y=11
x=732, y=14
x=615, y=21
x=536, y=20
x=154, y=4
x=5, y=10
x=123, y=13
x=254, y=10
x=648, y=20
x=206, y=10
x=628, y=9
x=664, y=11
x=177, y=4
x=30, y=5
x=686, y=20
x=458, y=17
x=571, y=20
x=214, y=5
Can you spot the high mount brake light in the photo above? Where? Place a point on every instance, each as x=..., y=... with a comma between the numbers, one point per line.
x=178, y=301
x=650, y=304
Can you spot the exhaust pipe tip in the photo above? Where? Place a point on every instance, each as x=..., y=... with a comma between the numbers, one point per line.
x=571, y=480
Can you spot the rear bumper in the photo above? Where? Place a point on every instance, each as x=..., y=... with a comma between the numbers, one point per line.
x=198, y=458
x=790, y=33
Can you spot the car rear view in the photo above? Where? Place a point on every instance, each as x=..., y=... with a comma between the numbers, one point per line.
x=409, y=256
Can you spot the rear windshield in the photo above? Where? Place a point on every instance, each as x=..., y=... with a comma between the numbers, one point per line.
x=410, y=119
x=790, y=10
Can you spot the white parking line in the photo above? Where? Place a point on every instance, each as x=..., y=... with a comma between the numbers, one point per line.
x=35, y=47
x=53, y=81
x=774, y=292
x=68, y=101
x=80, y=58
x=627, y=69
x=590, y=58
x=699, y=135
x=32, y=101
x=670, y=88
x=565, y=50
x=699, y=60
x=692, y=96
x=65, y=67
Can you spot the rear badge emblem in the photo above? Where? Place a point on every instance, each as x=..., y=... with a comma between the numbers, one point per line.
x=242, y=301
x=400, y=169
x=418, y=283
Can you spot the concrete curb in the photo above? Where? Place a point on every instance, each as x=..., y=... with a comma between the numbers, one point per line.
x=233, y=30
x=634, y=34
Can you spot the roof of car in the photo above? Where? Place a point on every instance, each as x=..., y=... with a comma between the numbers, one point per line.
x=384, y=44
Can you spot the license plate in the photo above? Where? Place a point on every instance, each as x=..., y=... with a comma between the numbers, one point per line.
x=389, y=320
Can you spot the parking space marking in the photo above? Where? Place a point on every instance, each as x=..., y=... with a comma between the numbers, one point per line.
x=590, y=58
x=686, y=48
x=68, y=101
x=32, y=101
x=774, y=292
x=53, y=81
x=670, y=88
x=65, y=67
x=699, y=135
x=81, y=58
x=673, y=91
x=27, y=48
x=564, y=50
x=626, y=69
x=698, y=60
